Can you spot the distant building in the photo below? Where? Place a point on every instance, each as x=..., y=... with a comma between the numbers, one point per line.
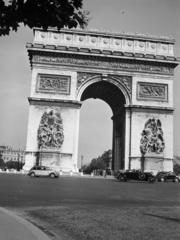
x=8, y=153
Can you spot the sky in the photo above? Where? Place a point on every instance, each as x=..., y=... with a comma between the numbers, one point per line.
x=154, y=17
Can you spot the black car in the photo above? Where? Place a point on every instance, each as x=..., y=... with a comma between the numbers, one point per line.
x=135, y=175
x=167, y=176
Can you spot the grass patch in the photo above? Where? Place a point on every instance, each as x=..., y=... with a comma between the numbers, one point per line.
x=87, y=222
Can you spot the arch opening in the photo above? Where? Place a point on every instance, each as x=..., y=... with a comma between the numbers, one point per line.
x=95, y=125
x=114, y=97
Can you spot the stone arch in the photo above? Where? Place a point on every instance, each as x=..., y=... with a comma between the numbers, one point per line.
x=116, y=94
x=114, y=80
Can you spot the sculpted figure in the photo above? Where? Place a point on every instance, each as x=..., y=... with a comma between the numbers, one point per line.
x=50, y=132
x=152, y=137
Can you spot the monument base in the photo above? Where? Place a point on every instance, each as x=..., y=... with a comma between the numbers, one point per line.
x=54, y=159
x=57, y=160
x=152, y=163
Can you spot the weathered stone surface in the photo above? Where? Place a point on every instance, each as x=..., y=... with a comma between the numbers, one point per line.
x=47, y=83
x=107, y=41
x=152, y=91
x=131, y=73
x=50, y=132
x=152, y=139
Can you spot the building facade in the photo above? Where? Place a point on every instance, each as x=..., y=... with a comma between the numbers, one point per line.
x=133, y=74
x=8, y=153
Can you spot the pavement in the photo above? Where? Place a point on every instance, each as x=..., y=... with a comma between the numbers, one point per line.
x=14, y=227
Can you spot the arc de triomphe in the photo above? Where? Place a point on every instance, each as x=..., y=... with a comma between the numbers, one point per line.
x=133, y=74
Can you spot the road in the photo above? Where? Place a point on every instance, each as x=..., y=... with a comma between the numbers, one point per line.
x=22, y=191
x=69, y=208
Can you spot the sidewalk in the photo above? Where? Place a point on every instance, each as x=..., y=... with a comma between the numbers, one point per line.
x=13, y=227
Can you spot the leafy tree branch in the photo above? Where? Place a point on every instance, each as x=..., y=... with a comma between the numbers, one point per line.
x=41, y=13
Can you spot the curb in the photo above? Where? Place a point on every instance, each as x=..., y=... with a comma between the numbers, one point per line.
x=33, y=229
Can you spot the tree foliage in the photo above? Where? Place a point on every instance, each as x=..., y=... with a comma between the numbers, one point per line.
x=41, y=13
x=2, y=163
x=176, y=168
x=99, y=163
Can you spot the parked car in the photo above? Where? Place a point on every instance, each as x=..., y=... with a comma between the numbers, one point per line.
x=167, y=176
x=43, y=171
x=137, y=175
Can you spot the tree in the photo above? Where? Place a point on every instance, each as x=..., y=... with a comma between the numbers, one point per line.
x=100, y=163
x=41, y=13
x=2, y=163
x=14, y=165
x=97, y=163
x=176, y=168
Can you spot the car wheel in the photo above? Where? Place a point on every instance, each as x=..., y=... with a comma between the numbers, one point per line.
x=141, y=177
x=52, y=175
x=125, y=179
x=32, y=174
x=151, y=180
x=176, y=180
x=121, y=179
x=162, y=180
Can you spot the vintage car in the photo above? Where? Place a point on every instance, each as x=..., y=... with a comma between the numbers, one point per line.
x=43, y=171
x=167, y=176
x=137, y=175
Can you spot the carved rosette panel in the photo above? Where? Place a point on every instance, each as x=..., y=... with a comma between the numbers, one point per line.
x=152, y=140
x=83, y=76
x=50, y=132
x=48, y=83
x=152, y=91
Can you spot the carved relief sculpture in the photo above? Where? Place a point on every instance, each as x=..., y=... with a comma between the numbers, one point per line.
x=152, y=91
x=50, y=132
x=83, y=76
x=126, y=81
x=152, y=140
x=53, y=83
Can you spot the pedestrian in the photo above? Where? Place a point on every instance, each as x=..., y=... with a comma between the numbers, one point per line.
x=104, y=173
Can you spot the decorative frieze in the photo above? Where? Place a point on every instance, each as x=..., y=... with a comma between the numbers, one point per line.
x=117, y=64
x=152, y=91
x=49, y=83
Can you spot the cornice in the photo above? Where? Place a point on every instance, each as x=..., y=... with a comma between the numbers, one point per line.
x=54, y=102
x=39, y=48
x=141, y=108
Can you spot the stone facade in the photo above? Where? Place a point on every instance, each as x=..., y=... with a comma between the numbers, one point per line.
x=8, y=153
x=131, y=73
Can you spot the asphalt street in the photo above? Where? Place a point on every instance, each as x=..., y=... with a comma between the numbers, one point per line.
x=18, y=191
